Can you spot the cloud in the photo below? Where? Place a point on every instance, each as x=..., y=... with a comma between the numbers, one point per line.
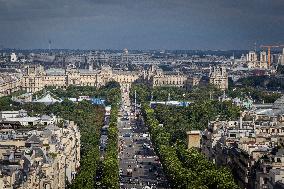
x=140, y=23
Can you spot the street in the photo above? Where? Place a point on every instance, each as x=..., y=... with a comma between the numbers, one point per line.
x=140, y=168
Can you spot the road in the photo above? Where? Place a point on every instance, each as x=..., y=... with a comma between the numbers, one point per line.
x=136, y=153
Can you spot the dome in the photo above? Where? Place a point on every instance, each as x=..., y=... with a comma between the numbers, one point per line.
x=125, y=51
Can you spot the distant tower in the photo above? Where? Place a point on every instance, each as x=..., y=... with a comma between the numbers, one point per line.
x=124, y=56
x=263, y=56
x=91, y=66
x=252, y=56
x=49, y=45
x=125, y=51
x=14, y=57
x=282, y=58
x=254, y=46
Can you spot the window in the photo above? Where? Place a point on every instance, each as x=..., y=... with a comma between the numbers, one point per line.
x=265, y=180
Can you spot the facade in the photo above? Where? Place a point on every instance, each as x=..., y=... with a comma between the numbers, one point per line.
x=35, y=78
x=9, y=83
x=281, y=58
x=219, y=77
x=45, y=156
x=255, y=62
x=193, y=139
x=157, y=78
x=251, y=56
x=251, y=146
x=127, y=57
x=14, y=57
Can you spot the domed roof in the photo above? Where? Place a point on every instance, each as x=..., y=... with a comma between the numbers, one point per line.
x=125, y=51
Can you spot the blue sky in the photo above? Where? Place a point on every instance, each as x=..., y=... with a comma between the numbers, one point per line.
x=141, y=24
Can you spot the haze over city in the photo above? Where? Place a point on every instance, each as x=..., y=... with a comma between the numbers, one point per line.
x=135, y=24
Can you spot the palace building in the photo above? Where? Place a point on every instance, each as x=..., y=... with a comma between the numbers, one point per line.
x=36, y=78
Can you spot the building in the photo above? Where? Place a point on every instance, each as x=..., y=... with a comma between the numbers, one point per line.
x=45, y=156
x=251, y=56
x=9, y=83
x=36, y=78
x=126, y=57
x=155, y=77
x=253, y=62
x=251, y=146
x=14, y=57
x=281, y=58
x=219, y=77
x=193, y=139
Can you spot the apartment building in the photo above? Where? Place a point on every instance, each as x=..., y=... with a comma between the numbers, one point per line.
x=46, y=156
x=252, y=147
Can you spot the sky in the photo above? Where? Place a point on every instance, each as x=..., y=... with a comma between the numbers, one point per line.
x=141, y=24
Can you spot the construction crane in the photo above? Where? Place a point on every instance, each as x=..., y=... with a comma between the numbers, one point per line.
x=269, y=51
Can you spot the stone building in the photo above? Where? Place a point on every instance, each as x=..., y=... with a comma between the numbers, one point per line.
x=253, y=62
x=155, y=77
x=193, y=139
x=9, y=83
x=45, y=156
x=35, y=78
x=251, y=146
x=281, y=58
x=219, y=77
x=127, y=57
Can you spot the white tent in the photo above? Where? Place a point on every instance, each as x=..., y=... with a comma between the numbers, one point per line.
x=48, y=99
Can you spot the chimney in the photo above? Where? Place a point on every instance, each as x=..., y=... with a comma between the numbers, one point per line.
x=241, y=121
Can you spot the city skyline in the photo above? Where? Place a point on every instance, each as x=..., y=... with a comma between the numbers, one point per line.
x=157, y=24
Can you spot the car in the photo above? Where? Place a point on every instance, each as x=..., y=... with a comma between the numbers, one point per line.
x=127, y=135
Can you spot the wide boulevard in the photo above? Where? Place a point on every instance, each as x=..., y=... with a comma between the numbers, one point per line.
x=140, y=168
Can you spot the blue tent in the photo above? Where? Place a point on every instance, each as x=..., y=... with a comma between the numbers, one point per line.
x=98, y=101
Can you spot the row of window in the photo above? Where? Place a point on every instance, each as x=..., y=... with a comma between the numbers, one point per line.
x=170, y=82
